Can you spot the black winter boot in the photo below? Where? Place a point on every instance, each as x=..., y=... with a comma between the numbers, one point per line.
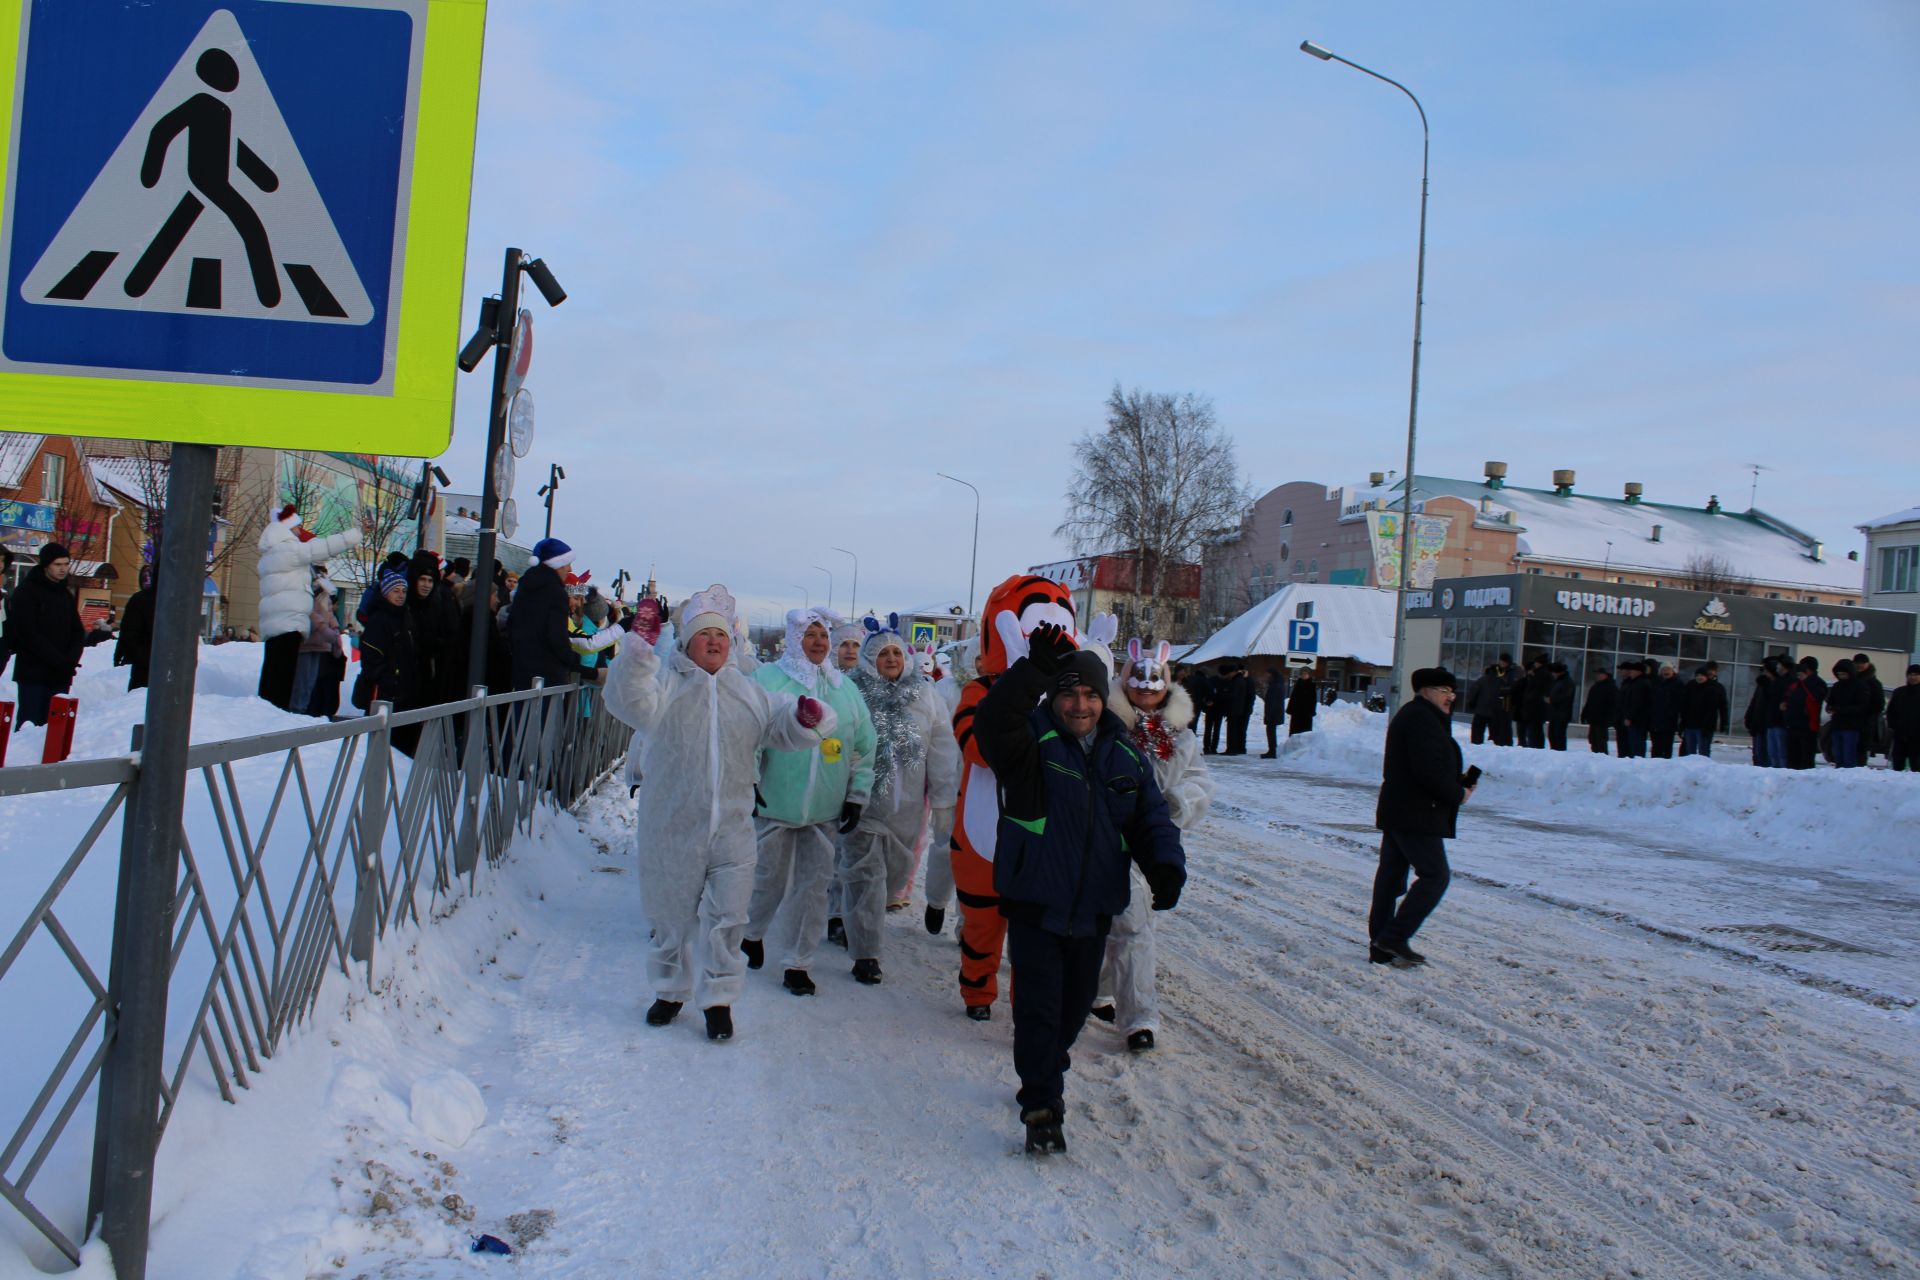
x=662, y=1012
x=720, y=1023
x=980, y=1012
x=1400, y=954
x=867, y=971
x=755, y=951
x=1104, y=1012
x=798, y=982
x=1044, y=1135
x=836, y=931
x=1140, y=1041
x=936, y=920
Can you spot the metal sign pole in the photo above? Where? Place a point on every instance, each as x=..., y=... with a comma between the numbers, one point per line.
x=150, y=868
x=489, y=494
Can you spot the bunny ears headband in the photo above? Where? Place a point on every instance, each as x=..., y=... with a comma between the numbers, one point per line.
x=1149, y=675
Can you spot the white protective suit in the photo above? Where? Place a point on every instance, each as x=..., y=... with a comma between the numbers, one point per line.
x=1126, y=979
x=286, y=574
x=956, y=669
x=697, y=738
x=916, y=764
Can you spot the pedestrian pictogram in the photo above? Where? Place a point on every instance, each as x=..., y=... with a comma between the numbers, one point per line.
x=222, y=216
x=205, y=206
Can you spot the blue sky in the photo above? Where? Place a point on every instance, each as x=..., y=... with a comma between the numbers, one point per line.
x=818, y=253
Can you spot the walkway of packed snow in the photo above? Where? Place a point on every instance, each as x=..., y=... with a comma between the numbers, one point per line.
x=1594, y=1077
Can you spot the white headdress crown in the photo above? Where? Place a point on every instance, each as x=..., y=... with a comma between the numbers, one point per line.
x=716, y=599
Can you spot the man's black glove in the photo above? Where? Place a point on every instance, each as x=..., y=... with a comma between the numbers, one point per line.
x=849, y=817
x=1048, y=646
x=1166, y=880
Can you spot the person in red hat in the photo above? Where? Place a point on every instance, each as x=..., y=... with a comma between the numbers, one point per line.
x=288, y=554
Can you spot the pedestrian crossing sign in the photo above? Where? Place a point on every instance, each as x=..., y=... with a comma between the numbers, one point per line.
x=237, y=221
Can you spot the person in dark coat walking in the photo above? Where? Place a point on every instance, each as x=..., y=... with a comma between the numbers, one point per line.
x=1636, y=708
x=1666, y=700
x=46, y=635
x=1077, y=806
x=1560, y=696
x=1704, y=711
x=1273, y=709
x=1600, y=710
x=537, y=620
x=1303, y=700
x=1199, y=687
x=1236, y=699
x=135, y=646
x=1492, y=713
x=1903, y=723
x=1215, y=710
x=1421, y=791
x=1535, y=692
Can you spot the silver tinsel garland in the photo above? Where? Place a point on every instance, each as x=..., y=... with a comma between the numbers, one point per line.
x=898, y=745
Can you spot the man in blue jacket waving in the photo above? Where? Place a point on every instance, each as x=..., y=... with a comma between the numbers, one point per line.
x=1077, y=803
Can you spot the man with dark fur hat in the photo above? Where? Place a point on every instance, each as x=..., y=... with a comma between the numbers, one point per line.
x=1078, y=803
x=1421, y=791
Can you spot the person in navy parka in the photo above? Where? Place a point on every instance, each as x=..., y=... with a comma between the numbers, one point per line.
x=1078, y=804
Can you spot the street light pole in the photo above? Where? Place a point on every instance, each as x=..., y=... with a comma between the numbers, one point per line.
x=555, y=474
x=822, y=568
x=853, y=605
x=972, y=573
x=1399, y=693
x=805, y=594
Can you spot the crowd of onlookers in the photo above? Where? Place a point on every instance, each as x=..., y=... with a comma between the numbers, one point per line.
x=1793, y=719
x=1226, y=701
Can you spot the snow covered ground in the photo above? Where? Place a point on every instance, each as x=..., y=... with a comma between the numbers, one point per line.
x=1668, y=1030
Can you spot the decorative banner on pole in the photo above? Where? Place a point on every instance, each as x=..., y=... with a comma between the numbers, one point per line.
x=1429, y=537
x=236, y=221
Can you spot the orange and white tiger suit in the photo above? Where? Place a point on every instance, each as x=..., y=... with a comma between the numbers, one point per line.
x=1013, y=610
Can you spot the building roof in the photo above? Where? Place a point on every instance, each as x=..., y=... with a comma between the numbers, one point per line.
x=1910, y=516
x=1576, y=529
x=17, y=450
x=127, y=477
x=1355, y=622
x=939, y=608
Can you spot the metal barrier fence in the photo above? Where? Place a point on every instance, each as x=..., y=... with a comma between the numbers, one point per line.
x=300, y=851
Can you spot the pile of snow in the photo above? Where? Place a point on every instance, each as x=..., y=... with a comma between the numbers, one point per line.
x=447, y=1107
x=1849, y=816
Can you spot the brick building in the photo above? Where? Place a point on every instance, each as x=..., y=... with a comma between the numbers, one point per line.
x=1116, y=582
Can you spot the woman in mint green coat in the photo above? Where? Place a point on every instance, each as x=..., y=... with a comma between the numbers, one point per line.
x=806, y=797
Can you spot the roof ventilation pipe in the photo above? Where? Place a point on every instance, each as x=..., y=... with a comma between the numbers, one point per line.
x=1634, y=490
x=1496, y=473
x=1376, y=478
x=1657, y=531
x=1713, y=505
x=1563, y=483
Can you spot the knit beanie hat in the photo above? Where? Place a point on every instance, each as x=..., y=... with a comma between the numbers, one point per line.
x=391, y=578
x=553, y=553
x=1082, y=667
x=51, y=552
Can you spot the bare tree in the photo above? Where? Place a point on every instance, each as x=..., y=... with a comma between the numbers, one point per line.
x=1152, y=485
x=1706, y=571
x=382, y=514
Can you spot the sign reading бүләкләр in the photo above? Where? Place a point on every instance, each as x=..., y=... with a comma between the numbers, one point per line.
x=237, y=221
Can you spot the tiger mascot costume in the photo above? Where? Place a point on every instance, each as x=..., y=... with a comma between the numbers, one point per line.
x=1013, y=610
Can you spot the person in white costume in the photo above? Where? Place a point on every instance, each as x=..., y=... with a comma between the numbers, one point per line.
x=1158, y=714
x=287, y=558
x=699, y=728
x=956, y=668
x=916, y=763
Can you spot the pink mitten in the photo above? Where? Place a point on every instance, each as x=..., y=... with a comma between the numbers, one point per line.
x=808, y=713
x=648, y=619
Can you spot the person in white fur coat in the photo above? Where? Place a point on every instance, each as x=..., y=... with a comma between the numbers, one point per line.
x=287, y=558
x=1158, y=714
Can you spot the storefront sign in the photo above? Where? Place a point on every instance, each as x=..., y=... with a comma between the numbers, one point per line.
x=1714, y=616
x=1600, y=602
x=37, y=516
x=1487, y=597
x=1816, y=624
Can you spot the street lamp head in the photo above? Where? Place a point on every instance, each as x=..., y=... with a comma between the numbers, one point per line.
x=1308, y=46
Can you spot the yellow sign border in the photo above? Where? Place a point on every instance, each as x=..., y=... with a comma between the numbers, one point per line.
x=416, y=420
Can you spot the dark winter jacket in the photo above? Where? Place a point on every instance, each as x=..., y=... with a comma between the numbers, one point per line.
x=1070, y=818
x=1761, y=705
x=1801, y=709
x=1666, y=702
x=1636, y=703
x=537, y=630
x=1560, y=700
x=1302, y=703
x=1705, y=707
x=1847, y=700
x=1536, y=693
x=499, y=657
x=1903, y=713
x=389, y=663
x=1603, y=703
x=1235, y=696
x=44, y=631
x=1488, y=696
x=1200, y=689
x=1420, y=788
x=1274, y=700
x=440, y=647
x=135, y=646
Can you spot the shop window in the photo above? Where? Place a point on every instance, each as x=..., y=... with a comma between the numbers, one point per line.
x=1570, y=635
x=1539, y=634
x=1602, y=639
x=1693, y=647
x=1632, y=644
x=1663, y=644
x=1723, y=649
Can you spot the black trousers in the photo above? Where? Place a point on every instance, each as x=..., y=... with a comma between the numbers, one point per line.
x=1557, y=735
x=1237, y=735
x=1597, y=738
x=1212, y=739
x=1902, y=754
x=1661, y=741
x=1427, y=857
x=1054, y=985
x=279, y=656
x=1802, y=746
x=1533, y=733
x=1477, y=730
x=1273, y=739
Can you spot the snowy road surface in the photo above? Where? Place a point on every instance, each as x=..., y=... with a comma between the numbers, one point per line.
x=1561, y=1093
